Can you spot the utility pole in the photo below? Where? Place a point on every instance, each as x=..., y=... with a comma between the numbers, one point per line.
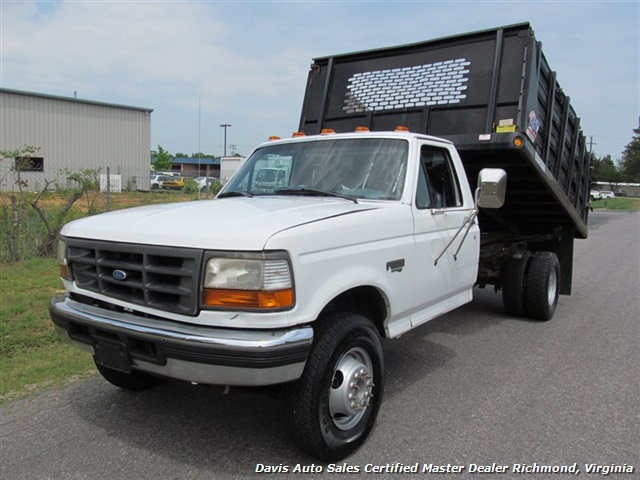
x=233, y=149
x=199, y=130
x=225, y=126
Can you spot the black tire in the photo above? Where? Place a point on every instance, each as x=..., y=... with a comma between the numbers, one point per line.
x=513, y=284
x=331, y=409
x=133, y=381
x=542, y=286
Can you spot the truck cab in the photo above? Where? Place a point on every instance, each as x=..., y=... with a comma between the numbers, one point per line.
x=368, y=235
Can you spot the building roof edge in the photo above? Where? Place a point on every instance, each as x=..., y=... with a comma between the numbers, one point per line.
x=73, y=99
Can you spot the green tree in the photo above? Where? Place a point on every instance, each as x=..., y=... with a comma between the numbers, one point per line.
x=630, y=163
x=14, y=212
x=20, y=237
x=163, y=161
x=82, y=182
x=202, y=155
x=605, y=170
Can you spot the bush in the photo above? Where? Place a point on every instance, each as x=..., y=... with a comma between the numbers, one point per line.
x=215, y=188
x=190, y=186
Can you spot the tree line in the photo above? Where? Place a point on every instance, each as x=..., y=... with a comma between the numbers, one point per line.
x=605, y=169
x=163, y=160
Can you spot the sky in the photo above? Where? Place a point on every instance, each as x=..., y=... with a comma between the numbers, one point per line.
x=201, y=64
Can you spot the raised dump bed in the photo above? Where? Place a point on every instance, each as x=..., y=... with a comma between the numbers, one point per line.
x=494, y=95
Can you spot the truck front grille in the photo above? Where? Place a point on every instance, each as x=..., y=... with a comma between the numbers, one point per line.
x=164, y=278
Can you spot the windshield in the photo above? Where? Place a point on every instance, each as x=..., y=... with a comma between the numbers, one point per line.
x=367, y=168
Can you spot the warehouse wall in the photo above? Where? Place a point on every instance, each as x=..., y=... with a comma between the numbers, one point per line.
x=74, y=134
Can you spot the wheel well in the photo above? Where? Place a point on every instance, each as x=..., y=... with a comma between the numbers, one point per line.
x=366, y=300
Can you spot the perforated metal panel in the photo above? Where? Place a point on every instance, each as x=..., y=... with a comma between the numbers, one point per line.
x=439, y=83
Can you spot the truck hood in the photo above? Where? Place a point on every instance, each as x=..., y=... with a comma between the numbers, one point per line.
x=223, y=224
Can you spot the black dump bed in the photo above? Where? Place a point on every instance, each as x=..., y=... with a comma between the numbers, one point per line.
x=492, y=93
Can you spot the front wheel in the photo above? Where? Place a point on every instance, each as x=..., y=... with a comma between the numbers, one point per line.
x=333, y=406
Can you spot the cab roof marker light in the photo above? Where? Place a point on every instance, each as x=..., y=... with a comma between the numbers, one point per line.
x=402, y=128
x=274, y=137
x=327, y=131
x=298, y=134
x=362, y=129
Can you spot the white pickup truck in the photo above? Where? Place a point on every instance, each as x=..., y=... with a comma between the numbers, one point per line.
x=374, y=234
x=367, y=233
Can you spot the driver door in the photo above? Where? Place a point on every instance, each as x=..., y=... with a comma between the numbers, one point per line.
x=446, y=267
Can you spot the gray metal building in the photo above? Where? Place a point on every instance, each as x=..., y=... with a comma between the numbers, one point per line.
x=73, y=134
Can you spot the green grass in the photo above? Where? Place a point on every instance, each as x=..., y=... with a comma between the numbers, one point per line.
x=617, y=203
x=32, y=356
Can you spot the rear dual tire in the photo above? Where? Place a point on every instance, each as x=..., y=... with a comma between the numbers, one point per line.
x=513, y=279
x=542, y=288
x=531, y=285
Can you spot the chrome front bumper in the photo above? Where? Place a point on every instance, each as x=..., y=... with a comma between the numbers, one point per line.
x=192, y=353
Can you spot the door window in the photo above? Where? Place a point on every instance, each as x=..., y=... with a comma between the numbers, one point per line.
x=437, y=182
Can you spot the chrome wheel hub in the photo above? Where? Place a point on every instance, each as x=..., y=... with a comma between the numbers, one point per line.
x=552, y=287
x=351, y=388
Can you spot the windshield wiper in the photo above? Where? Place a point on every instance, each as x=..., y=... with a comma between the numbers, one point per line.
x=313, y=192
x=235, y=193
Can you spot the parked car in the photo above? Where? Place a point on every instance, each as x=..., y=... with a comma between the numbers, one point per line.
x=174, y=183
x=204, y=183
x=156, y=181
x=594, y=195
x=606, y=194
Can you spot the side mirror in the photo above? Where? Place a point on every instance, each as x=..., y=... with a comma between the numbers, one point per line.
x=492, y=188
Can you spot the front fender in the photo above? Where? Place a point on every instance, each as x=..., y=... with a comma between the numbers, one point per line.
x=373, y=248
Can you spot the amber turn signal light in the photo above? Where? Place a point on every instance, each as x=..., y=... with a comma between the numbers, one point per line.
x=226, y=298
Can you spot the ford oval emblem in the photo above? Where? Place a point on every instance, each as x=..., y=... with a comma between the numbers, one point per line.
x=119, y=274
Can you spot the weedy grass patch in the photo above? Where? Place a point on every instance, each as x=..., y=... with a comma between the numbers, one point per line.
x=32, y=356
x=617, y=203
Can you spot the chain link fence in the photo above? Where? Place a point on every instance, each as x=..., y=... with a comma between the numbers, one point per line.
x=35, y=204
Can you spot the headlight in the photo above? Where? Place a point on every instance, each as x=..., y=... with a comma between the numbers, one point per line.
x=251, y=283
x=65, y=272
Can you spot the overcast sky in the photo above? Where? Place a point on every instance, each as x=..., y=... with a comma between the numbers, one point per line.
x=199, y=64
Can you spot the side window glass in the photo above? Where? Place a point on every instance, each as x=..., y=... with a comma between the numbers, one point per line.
x=423, y=199
x=442, y=184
